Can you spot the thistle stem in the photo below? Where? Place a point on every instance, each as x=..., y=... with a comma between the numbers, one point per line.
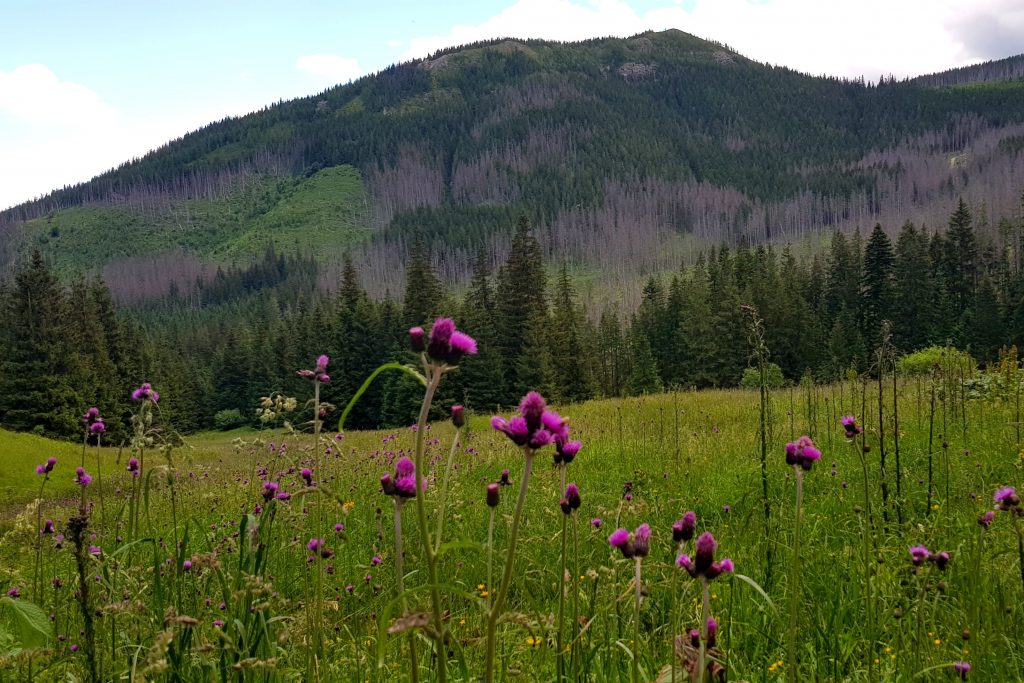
x=637, y=562
x=705, y=612
x=434, y=378
x=794, y=580
x=510, y=554
x=400, y=582
x=444, y=491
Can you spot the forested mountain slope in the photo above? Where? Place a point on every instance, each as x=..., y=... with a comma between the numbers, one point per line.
x=629, y=155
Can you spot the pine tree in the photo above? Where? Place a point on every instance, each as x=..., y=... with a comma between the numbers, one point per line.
x=522, y=311
x=424, y=294
x=573, y=381
x=962, y=259
x=643, y=376
x=876, y=302
x=482, y=375
x=913, y=291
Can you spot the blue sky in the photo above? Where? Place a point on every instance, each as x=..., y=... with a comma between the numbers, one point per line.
x=87, y=85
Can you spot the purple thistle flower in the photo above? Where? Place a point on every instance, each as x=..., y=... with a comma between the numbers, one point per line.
x=554, y=423
x=565, y=451
x=504, y=480
x=686, y=563
x=94, y=550
x=186, y=565
x=417, y=339
x=642, y=540
x=596, y=522
x=961, y=669
x=986, y=519
x=339, y=527
x=269, y=489
x=941, y=559
x=144, y=392
x=572, y=496
x=284, y=495
x=620, y=539
x=458, y=416
x=314, y=544
x=803, y=453
x=40, y=469
x=81, y=478
x=492, y=496
x=705, y=552
x=376, y=560
x=532, y=408
x=91, y=415
x=448, y=345
x=48, y=527
x=13, y=592
x=133, y=466
x=1006, y=498
x=849, y=423
x=387, y=484
x=515, y=429
x=97, y=427
x=307, y=475
x=50, y=464
x=712, y=631
x=321, y=363
x=918, y=554
x=685, y=527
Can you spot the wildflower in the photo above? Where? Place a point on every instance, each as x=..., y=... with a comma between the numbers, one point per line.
x=572, y=496
x=48, y=527
x=403, y=483
x=596, y=522
x=284, y=495
x=318, y=373
x=940, y=559
x=218, y=623
x=684, y=528
x=307, y=476
x=492, y=495
x=533, y=641
x=269, y=490
x=97, y=427
x=803, y=453
x=565, y=451
x=445, y=344
x=504, y=480
x=536, y=426
x=712, y=627
x=704, y=562
x=186, y=565
x=918, y=554
x=376, y=560
x=338, y=528
x=636, y=544
x=91, y=415
x=95, y=550
x=986, y=519
x=961, y=669
x=458, y=416
x=81, y=478
x=1006, y=498
x=417, y=339
x=849, y=423
x=144, y=392
x=13, y=592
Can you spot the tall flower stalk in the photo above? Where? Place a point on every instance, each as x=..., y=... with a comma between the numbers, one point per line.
x=704, y=567
x=565, y=453
x=534, y=428
x=41, y=531
x=400, y=487
x=635, y=546
x=801, y=455
x=1007, y=500
x=853, y=430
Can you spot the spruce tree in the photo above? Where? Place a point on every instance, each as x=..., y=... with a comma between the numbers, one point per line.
x=572, y=377
x=522, y=311
x=876, y=286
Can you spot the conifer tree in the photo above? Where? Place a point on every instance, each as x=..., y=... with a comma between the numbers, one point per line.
x=572, y=377
x=876, y=286
x=522, y=311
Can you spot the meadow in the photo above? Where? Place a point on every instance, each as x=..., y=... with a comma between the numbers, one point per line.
x=270, y=554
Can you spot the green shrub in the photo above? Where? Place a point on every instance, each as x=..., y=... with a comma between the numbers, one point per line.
x=926, y=360
x=229, y=419
x=772, y=375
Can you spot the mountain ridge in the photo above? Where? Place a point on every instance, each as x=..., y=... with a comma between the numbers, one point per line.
x=635, y=146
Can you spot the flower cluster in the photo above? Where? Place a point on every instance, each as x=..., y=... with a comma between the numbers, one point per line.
x=684, y=528
x=637, y=544
x=571, y=501
x=803, y=453
x=317, y=547
x=849, y=423
x=145, y=392
x=1006, y=499
x=403, y=483
x=445, y=343
x=133, y=466
x=536, y=427
x=81, y=477
x=703, y=563
x=920, y=554
x=319, y=373
x=46, y=467
x=93, y=422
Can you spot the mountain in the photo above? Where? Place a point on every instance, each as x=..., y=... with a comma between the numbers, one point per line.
x=630, y=155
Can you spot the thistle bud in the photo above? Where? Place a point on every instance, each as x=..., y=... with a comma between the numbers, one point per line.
x=458, y=416
x=417, y=339
x=492, y=496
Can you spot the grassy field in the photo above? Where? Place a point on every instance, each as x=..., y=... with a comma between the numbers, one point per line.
x=862, y=612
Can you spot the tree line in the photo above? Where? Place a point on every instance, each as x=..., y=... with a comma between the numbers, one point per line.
x=65, y=347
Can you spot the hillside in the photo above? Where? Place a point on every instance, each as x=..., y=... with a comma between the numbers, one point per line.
x=629, y=154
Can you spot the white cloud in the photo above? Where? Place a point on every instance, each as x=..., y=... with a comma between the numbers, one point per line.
x=868, y=37
x=33, y=93
x=334, y=68
x=55, y=133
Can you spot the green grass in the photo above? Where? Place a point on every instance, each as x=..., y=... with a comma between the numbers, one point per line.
x=692, y=450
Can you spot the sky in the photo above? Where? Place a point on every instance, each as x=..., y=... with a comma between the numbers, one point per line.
x=87, y=85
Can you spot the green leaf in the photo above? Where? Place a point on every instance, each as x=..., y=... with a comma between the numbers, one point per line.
x=32, y=627
x=369, y=380
x=753, y=584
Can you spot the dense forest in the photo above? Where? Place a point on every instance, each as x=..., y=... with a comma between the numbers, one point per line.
x=455, y=147
x=65, y=347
